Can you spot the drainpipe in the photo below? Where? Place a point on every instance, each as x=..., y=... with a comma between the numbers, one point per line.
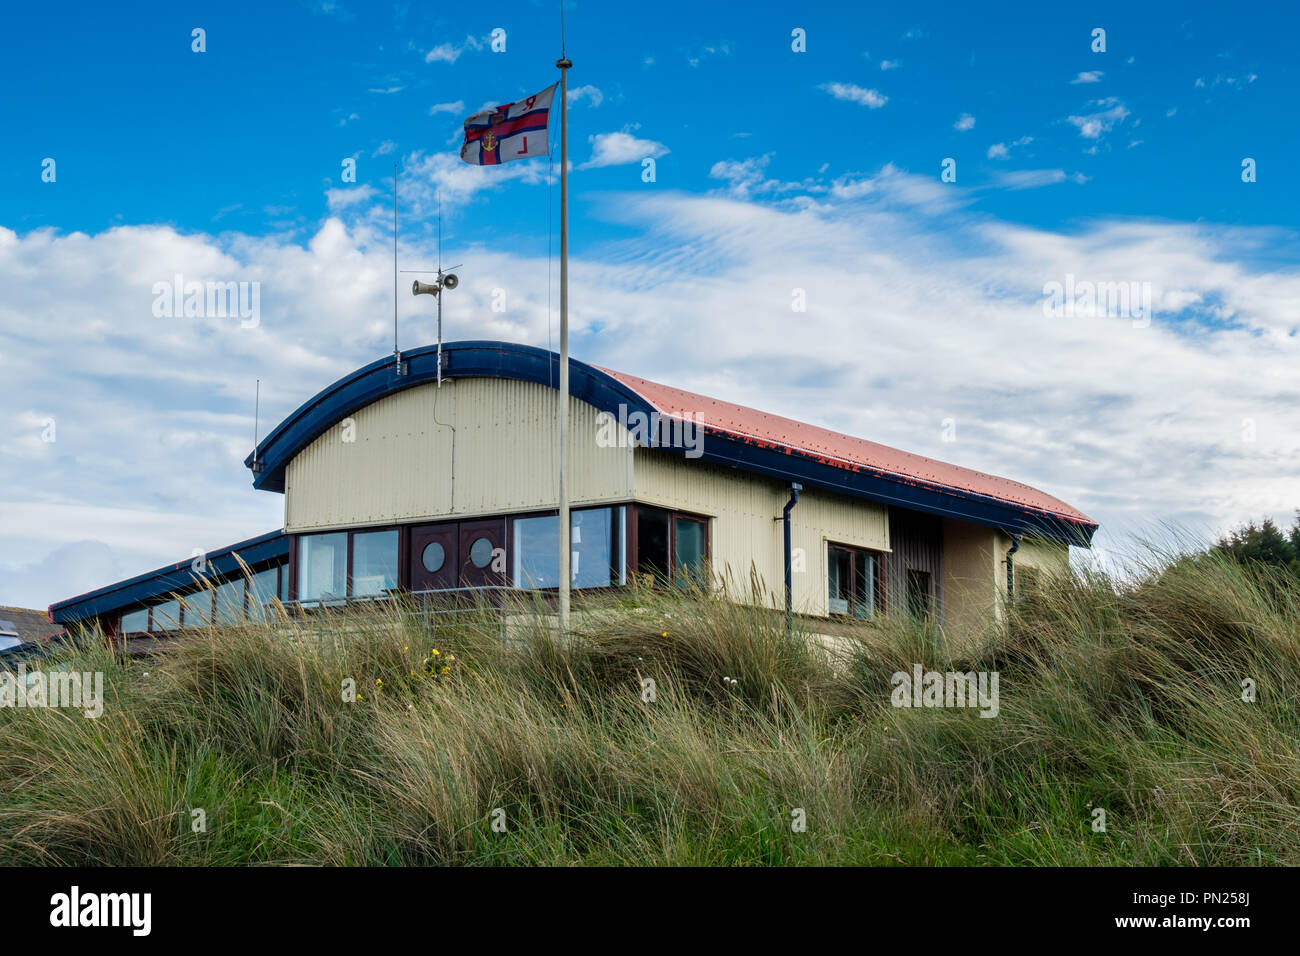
x=795, y=488
x=1011, y=566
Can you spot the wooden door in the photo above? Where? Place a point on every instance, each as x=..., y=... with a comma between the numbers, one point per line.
x=435, y=557
x=482, y=553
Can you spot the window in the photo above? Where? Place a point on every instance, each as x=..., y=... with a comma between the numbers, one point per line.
x=197, y=608
x=374, y=562
x=322, y=567
x=262, y=589
x=537, y=552
x=134, y=622
x=167, y=616
x=671, y=547
x=855, y=582
x=652, y=543
x=433, y=557
x=689, y=550
x=919, y=600
x=597, y=558
x=840, y=591
x=480, y=552
x=230, y=601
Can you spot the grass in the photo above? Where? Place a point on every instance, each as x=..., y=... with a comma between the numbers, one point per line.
x=1121, y=697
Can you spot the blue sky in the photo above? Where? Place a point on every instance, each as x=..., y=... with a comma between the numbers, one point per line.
x=775, y=170
x=246, y=135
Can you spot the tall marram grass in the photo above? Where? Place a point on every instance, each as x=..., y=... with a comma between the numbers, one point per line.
x=1121, y=697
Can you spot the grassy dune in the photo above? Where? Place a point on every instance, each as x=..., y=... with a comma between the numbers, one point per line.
x=1125, y=698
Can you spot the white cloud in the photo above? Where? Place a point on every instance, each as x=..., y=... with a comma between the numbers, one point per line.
x=964, y=122
x=748, y=177
x=889, y=64
x=425, y=175
x=617, y=149
x=386, y=90
x=457, y=108
x=347, y=196
x=1088, y=76
x=450, y=52
x=743, y=175
x=1030, y=178
x=1003, y=150
x=590, y=93
x=856, y=94
x=698, y=54
x=1092, y=125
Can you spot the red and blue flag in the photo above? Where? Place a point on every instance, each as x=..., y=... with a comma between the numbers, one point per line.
x=513, y=131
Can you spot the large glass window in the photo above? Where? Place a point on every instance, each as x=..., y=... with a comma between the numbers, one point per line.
x=374, y=562
x=134, y=622
x=597, y=556
x=262, y=589
x=230, y=601
x=537, y=552
x=198, y=608
x=167, y=616
x=597, y=559
x=854, y=582
x=322, y=566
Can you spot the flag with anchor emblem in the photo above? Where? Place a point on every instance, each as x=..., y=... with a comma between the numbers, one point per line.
x=514, y=131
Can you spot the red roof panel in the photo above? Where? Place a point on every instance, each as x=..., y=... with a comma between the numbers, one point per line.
x=837, y=448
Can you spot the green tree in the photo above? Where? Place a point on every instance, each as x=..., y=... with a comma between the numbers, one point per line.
x=1265, y=543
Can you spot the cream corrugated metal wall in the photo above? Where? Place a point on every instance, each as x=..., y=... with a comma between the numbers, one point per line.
x=392, y=460
x=744, y=534
x=975, y=573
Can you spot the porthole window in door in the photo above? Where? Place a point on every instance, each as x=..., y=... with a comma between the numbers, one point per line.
x=480, y=552
x=434, y=557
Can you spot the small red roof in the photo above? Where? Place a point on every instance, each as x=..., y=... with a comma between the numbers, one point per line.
x=835, y=448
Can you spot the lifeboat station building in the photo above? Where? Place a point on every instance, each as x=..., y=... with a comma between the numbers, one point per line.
x=405, y=478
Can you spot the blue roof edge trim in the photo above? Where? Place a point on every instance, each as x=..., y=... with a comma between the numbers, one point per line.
x=601, y=390
x=173, y=577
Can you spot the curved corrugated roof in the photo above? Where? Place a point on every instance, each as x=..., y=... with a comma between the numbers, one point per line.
x=737, y=437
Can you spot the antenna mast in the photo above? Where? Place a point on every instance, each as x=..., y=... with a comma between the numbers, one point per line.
x=257, y=408
x=446, y=279
x=397, y=354
x=439, y=195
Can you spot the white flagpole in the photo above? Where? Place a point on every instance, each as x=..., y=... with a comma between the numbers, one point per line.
x=565, y=554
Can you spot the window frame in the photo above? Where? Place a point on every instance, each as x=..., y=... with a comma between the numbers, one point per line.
x=291, y=594
x=633, y=545
x=856, y=552
x=929, y=612
x=397, y=583
x=620, y=547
